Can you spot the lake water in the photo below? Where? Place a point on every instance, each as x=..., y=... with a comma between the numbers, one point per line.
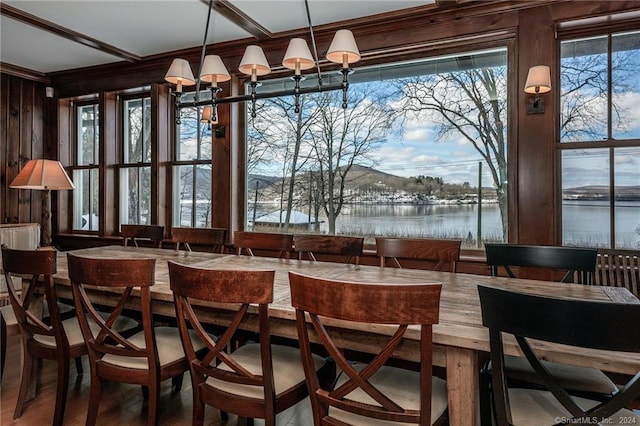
x=584, y=223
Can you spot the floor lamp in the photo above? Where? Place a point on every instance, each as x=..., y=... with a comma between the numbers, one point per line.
x=43, y=175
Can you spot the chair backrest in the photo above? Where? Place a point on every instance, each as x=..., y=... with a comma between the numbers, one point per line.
x=223, y=286
x=313, y=244
x=39, y=266
x=559, y=321
x=445, y=253
x=155, y=233
x=389, y=304
x=579, y=263
x=619, y=268
x=249, y=241
x=212, y=237
x=122, y=276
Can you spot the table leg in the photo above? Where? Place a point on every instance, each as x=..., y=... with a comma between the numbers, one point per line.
x=463, y=386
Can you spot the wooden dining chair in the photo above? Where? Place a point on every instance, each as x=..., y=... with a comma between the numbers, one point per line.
x=215, y=238
x=145, y=358
x=257, y=380
x=618, y=268
x=265, y=241
x=577, y=264
x=366, y=394
x=558, y=321
x=337, y=245
x=133, y=233
x=52, y=338
x=442, y=254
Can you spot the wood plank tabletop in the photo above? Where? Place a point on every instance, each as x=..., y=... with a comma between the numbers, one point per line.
x=460, y=317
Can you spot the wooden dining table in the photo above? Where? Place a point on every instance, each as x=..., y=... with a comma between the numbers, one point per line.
x=460, y=340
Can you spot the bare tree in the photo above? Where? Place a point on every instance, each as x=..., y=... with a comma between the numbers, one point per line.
x=470, y=103
x=341, y=138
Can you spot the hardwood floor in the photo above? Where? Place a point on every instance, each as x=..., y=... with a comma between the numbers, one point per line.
x=121, y=404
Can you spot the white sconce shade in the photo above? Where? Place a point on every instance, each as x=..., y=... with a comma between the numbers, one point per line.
x=180, y=74
x=298, y=56
x=213, y=70
x=538, y=80
x=343, y=49
x=254, y=63
x=42, y=175
x=207, y=115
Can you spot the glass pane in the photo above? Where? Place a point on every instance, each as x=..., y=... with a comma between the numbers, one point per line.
x=194, y=138
x=583, y=90
x=586, y=198
x=403, y=159
x=627, y=192
x=625, y=62
x=192, y=187
x=135, y=195
x=137, y=131
x=88, y=135
x=85, y=200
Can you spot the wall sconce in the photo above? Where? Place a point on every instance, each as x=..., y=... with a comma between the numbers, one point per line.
x=538, y=82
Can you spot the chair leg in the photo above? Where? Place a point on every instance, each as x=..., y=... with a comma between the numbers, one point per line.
x=3, y=345
x=198, y=411
x=94, y=399
x=176, y=381
x=486, y=416
x=61, y=390
x=152, y=404
x=25, y=380
x=78, y=362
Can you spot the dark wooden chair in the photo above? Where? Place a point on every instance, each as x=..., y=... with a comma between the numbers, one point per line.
x=208, y=237
x=562, y=321
x=313, y=244
x=257, y=380
x=619, y=268
x=267, y=241
x=133, y=233
x=441, y=253
x=364, y=394
x=45, y=335
x=578, y=264
x=145, y=358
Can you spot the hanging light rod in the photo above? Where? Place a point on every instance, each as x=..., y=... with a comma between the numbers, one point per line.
x=342, y=50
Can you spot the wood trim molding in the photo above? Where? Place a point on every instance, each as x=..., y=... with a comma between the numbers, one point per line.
x=235, y=15
x=25, y=73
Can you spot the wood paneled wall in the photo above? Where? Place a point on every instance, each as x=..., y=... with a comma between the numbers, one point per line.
x=28, y=122
x=23, y=136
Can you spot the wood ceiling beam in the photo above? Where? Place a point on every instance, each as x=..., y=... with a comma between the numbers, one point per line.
x=67, y=33
x=241, y=19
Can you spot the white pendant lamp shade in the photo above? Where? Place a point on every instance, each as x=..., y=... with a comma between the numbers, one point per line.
x=298, y=56
x=343, y=49
x=254, y=63
x=538, y=79
x=180, y=74
x=213, y=70
x=43, y=175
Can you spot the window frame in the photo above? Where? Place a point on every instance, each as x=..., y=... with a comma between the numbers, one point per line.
x=610, y=144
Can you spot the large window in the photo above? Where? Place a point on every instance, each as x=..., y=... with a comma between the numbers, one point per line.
x=600, y=140
x=192, y=197
x=420, y=151
x=85, y=168
x=135, y=171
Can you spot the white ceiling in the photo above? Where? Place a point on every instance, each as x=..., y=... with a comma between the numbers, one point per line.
x=149, y=27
